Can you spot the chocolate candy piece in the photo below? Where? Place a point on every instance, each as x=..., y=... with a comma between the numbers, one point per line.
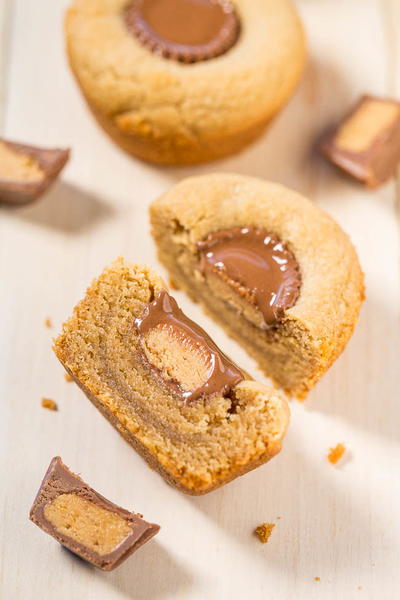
x=257, y=265
x=182, y=354
x=184, y=30
x=27, y=171
x=366, y=144
x=85, y=522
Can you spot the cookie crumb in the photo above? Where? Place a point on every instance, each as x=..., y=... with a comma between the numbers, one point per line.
x=49, y=404
x=317, y=578
x=278, y=518
x=263, y=531
x=48, y=323
x=336, y=453
x=359, y=587
x=173, y=285
x=68, y=377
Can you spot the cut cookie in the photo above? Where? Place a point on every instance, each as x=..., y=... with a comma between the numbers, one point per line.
x=165, y=386
x=85, y=522
x=26, y=172
x=276, y=271
x=184, y=81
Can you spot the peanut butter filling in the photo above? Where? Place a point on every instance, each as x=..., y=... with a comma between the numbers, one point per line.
x=16, y=166
x=373, y=117
x=177, y=357
x=184, y=30
x=86, y=523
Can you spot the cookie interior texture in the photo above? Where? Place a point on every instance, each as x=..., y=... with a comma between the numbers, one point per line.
x=188, y=31
x=196, y=446
x=299, y=349
x=168, y=112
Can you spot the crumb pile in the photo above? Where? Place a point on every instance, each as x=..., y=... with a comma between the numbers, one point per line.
x=49, y=404
x=336, y=453
x=263, y=532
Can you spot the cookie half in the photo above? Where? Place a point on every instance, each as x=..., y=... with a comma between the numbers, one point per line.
x=273, y=269
x=161, y=381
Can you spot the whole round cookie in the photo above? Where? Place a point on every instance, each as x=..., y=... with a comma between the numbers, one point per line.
x=184, y=81
x=278, y=273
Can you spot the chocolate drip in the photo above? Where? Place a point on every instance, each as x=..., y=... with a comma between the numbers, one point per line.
x=257, y=265
x=184, y=30
x=222, y=373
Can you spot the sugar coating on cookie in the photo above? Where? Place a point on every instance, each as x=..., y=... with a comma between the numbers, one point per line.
x=193, y=414
x=170, y=102
x=293, y=308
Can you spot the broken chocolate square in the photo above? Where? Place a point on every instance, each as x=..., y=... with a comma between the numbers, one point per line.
x=26, y=172
x=366, y=143
x=85, y=522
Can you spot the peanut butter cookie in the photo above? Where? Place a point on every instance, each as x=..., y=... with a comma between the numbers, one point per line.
x=161, y=381
x=184, y=81
x=276, y=271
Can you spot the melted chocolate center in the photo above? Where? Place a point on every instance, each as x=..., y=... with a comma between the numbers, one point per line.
x=222, y=374
x=185, y=30
x=257, y=265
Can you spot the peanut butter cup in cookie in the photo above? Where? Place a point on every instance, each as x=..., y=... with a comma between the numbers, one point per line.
x=184, y=81
x=184, y=30
x=157, y=376
x=256, y=265
x=276, y=271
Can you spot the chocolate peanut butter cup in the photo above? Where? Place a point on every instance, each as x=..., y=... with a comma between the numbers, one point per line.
x=366, y=142
x=85, y=522
x=208, y=371
x=26, y=172
x=257, y=265
x=187, y=31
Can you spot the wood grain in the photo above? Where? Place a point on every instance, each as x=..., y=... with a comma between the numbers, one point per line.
x=341, y=524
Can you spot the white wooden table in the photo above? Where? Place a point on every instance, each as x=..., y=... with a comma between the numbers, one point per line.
x=341, y=524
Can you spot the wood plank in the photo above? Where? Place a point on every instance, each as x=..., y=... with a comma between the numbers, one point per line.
x=5, y=31
x=340, y=524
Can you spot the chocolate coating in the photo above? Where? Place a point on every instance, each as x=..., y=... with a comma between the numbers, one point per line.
x=222, y=375
x=184, y=30
x=378, y=158
x=257, y=265
x=50, y=161
x=60, y=480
